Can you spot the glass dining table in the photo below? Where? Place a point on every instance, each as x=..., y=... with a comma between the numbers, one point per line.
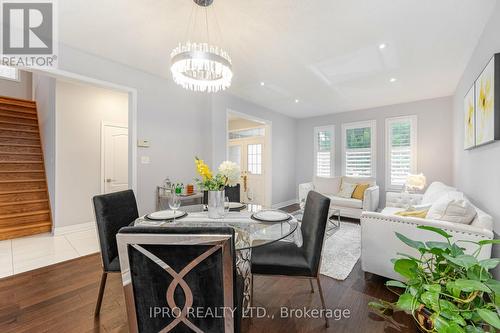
x=249, y=233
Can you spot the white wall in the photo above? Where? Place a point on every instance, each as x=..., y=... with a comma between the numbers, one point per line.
x=80, y=111
x=476, y=171
x=434, y=139
x=17, y=89
x=282, y=137
x=175, y=121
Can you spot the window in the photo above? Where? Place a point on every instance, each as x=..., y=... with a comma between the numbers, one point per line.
x=358, y=142
x=324, y=151
x=9, y=73
x=401, y=141
x=247, y=133
x=255, y=159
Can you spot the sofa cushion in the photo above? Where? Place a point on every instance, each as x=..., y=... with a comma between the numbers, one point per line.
x=359, y=191
x=327, y=185
x=345, y=202
x=346, y=190
x=452, y=208
x=435, y=191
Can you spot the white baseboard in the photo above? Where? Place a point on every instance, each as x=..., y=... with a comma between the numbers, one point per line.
x=73, y=228
x=285, y=203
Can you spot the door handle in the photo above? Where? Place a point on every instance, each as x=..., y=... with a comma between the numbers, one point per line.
x=109, y=180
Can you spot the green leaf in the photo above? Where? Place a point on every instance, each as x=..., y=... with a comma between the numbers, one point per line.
x=478, y=273
x=431, y=300
x=447, y=305
x=490, y=317
x=471, y=285
x=473, y=329
x=441, y=325
x=489, y=241
x=489, y=263
x=437, y=245
x=407, y=302
x=462, y=260
x=456, y=250
x=411, y=243
x=406, y=267
x=393, y=283
x=436, y=230
x=433, y=288
x=494, y=285
x=455, y=328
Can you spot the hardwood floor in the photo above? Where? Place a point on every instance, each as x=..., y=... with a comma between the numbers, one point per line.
x=61, y=298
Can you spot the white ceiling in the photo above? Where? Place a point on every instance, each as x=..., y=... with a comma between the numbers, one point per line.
x=325, y=53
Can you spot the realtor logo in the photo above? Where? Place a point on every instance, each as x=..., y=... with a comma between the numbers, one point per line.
x=28, y=33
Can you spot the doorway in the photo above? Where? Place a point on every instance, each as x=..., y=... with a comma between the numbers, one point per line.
x=114, y=157
x=249, y=147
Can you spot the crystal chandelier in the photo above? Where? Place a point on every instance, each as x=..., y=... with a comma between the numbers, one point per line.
x=201, y=66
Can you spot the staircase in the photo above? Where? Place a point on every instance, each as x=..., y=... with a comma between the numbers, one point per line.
x=24, y=199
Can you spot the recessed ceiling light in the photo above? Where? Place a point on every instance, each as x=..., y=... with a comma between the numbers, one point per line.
x=382, y=46
x=392, y=79
x=262, y=83
x=296, y=101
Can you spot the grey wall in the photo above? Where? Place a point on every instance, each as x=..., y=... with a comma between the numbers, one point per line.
x=175, y=121
x=45, y=96
x=476, y=171
x=17, y=89
x=434, y=139
x=283, y=141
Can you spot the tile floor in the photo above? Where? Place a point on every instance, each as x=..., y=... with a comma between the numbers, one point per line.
x=28, y=253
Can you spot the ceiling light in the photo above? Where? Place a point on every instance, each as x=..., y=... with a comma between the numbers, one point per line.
x=201, y=66
x=296, y=101
x=262, y=83
x=382, y=46
x=392, y=79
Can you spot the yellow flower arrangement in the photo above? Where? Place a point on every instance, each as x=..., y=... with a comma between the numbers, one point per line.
x=227, y=175
x=203, y=169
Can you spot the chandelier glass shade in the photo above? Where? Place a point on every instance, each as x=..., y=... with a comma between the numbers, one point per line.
x=201, y=67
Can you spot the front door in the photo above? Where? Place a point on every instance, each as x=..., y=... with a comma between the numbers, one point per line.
x=248, y=153
x=115, y=158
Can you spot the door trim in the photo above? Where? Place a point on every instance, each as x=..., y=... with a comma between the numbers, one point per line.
x=104, y=124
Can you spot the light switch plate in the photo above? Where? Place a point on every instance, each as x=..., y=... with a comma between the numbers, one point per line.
x=145, y=159
x=143, y=143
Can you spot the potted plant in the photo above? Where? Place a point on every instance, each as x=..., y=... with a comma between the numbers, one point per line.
x=445, y=290
x=228, y=175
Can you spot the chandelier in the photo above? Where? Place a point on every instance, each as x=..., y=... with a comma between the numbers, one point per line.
x=201, y=66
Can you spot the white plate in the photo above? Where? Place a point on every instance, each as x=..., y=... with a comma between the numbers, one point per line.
x=234, y=205
x=271, y=215
x=165, y=215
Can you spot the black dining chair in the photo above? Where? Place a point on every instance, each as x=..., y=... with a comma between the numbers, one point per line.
x=287, y=259
x=165, y=270
x=112, y=212
x=233, y=193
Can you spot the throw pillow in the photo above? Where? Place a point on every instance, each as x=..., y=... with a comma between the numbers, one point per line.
x=414, y=213
x=452, y=210
x=346, y=190
x=359, y=191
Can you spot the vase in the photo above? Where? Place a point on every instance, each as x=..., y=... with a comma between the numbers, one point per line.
x=215, y=204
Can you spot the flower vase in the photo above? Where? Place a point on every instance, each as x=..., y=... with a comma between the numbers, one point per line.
x=215, y=204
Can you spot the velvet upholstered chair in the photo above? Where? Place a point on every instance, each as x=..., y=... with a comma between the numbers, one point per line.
x=112, y=212
x=287, y=259
x=190, y=270
x=233, y=193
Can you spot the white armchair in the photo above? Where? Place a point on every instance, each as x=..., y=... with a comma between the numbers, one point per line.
x=379, y=243
x=349, y=207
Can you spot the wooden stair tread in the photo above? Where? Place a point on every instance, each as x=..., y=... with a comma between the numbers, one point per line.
x=31, y=225
x=22, y=181
x=19, y=145
x=17, y=130
x=19, y=153
x=17, y=101
x=17, y=116
x=36, y=212
x=24, y=191
x=22, y=171
x=18, y=137
x=21, y=162
x=16, y=123
x=10, y=203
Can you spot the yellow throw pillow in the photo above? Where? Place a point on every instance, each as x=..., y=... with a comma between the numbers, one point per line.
x=359, y=191
x=414, y=213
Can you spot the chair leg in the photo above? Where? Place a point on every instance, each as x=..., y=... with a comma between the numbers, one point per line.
x=312, y=286
x=322, y=299
x=104, y=277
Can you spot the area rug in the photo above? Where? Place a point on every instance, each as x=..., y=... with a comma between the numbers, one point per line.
x=341, y=251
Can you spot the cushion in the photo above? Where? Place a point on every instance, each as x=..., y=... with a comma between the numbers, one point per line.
x=346, y=190
x=327, y=185
x=413, y=213
x=345, y=202
x=448, y=208
x=359, y=191
x=435, y=191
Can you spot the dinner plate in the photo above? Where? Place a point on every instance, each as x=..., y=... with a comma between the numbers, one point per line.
x=234, y=205
x=271, y=215
x=166, y=215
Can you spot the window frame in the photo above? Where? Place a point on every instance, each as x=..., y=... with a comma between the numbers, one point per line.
x=372, y=124
x=16, y=79
x=318, y=129
x=413, y=119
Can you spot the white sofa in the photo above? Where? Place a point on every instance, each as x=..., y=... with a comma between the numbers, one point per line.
x=379, y=243
x=348, y=207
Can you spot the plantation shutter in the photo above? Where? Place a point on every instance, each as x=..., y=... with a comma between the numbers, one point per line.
x=400, y=151
x=324, y=153
x=358, y=152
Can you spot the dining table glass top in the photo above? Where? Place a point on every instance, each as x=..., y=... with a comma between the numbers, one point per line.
x=249, y=233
